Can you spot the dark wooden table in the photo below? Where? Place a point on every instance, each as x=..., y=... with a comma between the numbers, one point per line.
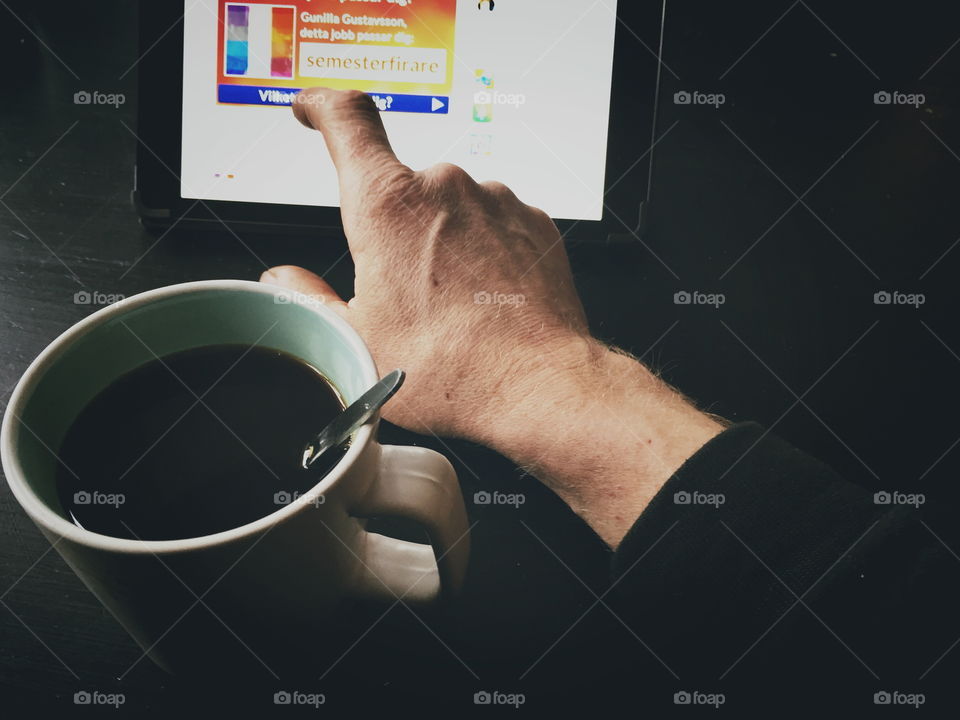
x=798, y=199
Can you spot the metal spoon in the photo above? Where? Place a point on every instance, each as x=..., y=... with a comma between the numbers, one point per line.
x=344, y=424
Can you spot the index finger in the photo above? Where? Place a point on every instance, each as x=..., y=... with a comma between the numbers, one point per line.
x=352, y=130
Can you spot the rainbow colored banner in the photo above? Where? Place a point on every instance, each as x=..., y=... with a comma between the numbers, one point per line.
x=390, y=48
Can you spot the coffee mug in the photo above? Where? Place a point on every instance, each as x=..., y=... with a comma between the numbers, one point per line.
x=270, y=586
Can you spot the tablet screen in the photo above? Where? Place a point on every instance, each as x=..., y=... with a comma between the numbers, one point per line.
x=511, y=90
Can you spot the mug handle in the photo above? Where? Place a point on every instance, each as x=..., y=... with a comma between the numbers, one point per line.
x=421, y=485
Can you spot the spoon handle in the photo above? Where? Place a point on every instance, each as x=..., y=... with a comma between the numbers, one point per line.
x=344, y=424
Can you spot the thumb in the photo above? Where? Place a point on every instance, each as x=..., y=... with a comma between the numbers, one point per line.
x=305, y=282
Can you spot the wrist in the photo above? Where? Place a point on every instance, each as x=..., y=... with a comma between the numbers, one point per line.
x=538, y=381
x=598, y=428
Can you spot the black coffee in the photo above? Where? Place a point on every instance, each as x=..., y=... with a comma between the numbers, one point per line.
x=146, y=460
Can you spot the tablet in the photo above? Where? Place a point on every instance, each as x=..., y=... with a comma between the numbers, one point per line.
x=554, y=98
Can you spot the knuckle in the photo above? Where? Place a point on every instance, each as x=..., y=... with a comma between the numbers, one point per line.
x=448, y=174
x=498, y=190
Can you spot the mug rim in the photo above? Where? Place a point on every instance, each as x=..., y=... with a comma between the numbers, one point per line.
x=48, y=519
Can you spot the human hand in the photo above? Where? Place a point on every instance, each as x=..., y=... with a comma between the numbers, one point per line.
x=469, y=290
x=461, y=284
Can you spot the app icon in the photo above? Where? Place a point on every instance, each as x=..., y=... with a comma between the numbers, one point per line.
x=482, y=112
x=482, y=101
x=483, y=78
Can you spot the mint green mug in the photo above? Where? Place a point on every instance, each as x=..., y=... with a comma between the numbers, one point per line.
x=273, y=583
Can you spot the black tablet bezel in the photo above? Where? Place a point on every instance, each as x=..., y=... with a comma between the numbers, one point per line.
x=157, y=187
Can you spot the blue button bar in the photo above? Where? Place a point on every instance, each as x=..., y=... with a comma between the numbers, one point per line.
x=387, y=102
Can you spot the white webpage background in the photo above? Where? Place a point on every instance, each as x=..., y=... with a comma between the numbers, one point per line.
x=550, y=150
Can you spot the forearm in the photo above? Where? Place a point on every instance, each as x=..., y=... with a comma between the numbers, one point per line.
x=599, y=429
x=477, y=303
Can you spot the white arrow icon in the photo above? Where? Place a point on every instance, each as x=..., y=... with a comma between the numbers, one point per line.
x=435, y=104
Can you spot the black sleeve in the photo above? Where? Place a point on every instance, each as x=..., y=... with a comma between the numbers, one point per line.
x=757, y=571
